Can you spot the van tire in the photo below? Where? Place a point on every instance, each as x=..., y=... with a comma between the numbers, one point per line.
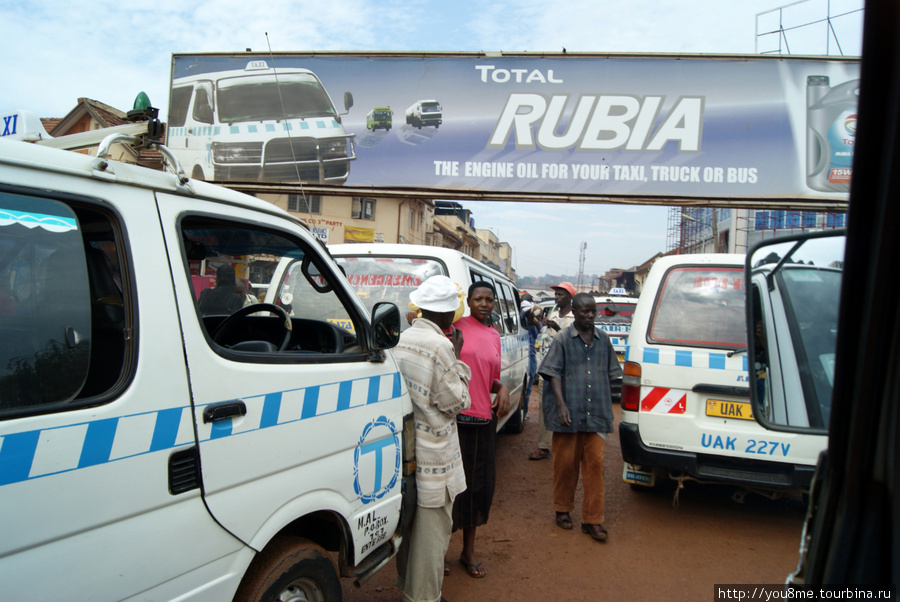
x=197, y=174
x=291, y=567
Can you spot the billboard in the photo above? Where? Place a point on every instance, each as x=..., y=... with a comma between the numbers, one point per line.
x=729, y=127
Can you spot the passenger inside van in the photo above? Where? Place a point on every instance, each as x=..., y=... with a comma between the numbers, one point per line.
x=222, y=299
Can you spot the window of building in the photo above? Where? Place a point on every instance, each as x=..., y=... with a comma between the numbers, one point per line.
x=305, y=203
x=809, y=219
x=762, y=220
x=778, y=219
x=834, y=220
x=363, y=208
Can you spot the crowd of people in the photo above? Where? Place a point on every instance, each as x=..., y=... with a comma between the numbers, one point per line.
x=452, y=369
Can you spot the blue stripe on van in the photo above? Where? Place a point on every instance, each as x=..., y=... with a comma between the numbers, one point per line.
x=398, y=387
x=686, y=358
x=344, y=391
x=44, y=452
x=16, y=456
x=98, y=442
x=271, y=409
x=166, y=431
x=374, y=389
x=310, y=402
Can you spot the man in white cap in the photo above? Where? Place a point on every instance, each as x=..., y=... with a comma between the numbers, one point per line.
x=438, y=384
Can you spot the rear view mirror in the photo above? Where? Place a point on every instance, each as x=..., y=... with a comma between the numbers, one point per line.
x=385, y=325
x=793, y=297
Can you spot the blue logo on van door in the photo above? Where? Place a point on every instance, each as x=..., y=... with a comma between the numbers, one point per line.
x=378, y=441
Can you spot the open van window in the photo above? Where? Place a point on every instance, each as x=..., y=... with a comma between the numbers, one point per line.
x=312, y=318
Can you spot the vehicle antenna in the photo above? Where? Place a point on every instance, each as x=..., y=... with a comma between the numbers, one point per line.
x=286, y=128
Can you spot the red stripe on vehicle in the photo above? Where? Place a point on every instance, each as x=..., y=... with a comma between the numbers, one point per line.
x=652, y=398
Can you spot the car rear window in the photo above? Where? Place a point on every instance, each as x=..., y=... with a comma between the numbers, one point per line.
x=614, y=312
x=391, y=279
x=700, y=306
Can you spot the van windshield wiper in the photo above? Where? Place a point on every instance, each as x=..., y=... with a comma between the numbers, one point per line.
x=738, y=350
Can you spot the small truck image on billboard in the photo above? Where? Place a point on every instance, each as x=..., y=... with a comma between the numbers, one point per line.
x=424, y=113
x=258, y=124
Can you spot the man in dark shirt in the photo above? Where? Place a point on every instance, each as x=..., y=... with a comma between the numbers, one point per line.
x=577, y=408
x=223, y=300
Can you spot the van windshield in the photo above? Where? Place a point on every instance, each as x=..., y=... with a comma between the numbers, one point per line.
x=377, y=279
x=261, y=97
x=701, y=306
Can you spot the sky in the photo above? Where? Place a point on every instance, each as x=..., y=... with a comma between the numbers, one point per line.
x=56, y=51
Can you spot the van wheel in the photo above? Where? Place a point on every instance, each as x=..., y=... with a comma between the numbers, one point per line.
x=197, y=174
x=291, y=568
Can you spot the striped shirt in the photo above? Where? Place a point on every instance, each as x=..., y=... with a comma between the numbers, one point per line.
x=586, y=371
x=438, y=385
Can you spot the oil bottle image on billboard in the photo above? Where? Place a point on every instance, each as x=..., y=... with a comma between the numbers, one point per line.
x=831, y=133
x=254, y=124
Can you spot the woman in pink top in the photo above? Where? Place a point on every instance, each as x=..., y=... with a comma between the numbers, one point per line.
x=476, y=426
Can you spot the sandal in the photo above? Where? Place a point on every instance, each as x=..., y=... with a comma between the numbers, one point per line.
x=476, y=570
x=596, y=532
x=540, y=454
x=564, y=521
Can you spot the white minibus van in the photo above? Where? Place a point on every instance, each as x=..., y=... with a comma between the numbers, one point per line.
x=389, y=272
x=258, y=124
x=686, y=411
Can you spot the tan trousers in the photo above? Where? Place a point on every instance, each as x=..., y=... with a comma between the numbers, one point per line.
x=420, y=560
x=571, y=452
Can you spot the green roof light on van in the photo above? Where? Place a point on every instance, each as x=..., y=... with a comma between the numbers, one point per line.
x=141, y=102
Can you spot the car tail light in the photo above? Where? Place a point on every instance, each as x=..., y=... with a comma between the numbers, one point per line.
x=631, y=386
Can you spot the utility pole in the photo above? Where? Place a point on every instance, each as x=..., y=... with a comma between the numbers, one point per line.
x=581, y=265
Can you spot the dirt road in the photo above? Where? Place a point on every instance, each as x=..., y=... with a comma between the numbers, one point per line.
x=656, y=550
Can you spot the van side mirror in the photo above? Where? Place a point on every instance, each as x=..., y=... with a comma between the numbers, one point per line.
x=348, y=101
x=204, y=113
x=385, y=325
x=793, y=296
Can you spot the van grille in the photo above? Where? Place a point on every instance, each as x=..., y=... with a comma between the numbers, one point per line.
x=281, y=154
x=279, y=150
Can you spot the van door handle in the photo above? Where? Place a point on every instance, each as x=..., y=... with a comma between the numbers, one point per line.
x=721, y=390
x=220, y=411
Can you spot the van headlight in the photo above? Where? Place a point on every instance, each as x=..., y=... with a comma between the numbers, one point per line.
x=334, y=149
x=237, y=152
